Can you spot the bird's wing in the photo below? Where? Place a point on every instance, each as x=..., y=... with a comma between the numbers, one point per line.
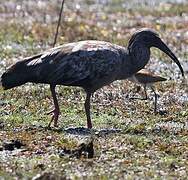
x=74, y=62
x=148, y=77
x=68, y=68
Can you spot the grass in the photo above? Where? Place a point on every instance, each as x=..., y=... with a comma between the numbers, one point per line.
x=129, y=140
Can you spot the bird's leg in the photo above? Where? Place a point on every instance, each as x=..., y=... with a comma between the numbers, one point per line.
x=145, y=93
x=87, y=109
x=141, y=98
x=155, y=107
x=55, y=111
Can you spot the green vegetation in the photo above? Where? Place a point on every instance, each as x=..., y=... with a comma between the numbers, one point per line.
x=129, y=140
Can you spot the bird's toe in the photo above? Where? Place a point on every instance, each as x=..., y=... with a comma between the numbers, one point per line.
x=55, y=115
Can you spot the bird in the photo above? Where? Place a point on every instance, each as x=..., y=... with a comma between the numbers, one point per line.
x=147, y=79
x=89, y=64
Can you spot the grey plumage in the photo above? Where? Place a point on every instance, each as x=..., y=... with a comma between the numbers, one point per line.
x=88, y=64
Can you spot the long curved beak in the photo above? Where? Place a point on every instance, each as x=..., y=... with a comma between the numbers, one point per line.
x=163, y=47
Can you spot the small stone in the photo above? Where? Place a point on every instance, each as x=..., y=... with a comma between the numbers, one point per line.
x=9, y=146
x=163, y=112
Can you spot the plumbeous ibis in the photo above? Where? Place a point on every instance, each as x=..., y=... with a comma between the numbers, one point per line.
x=88, y=64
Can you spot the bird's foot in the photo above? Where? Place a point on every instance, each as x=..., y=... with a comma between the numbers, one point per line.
x=55, y=114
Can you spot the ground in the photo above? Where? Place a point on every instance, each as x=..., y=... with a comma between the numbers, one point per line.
x=129, y=141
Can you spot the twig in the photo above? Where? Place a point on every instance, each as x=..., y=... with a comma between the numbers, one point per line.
x=59, y=21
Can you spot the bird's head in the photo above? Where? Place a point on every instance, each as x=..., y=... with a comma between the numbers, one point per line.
x=14, y=76
x=150, y=38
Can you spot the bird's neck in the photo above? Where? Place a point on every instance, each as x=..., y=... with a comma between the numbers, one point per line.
x=139, y=56
x=134, y=60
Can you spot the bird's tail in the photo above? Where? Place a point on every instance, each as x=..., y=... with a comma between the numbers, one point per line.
x=19, y=73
